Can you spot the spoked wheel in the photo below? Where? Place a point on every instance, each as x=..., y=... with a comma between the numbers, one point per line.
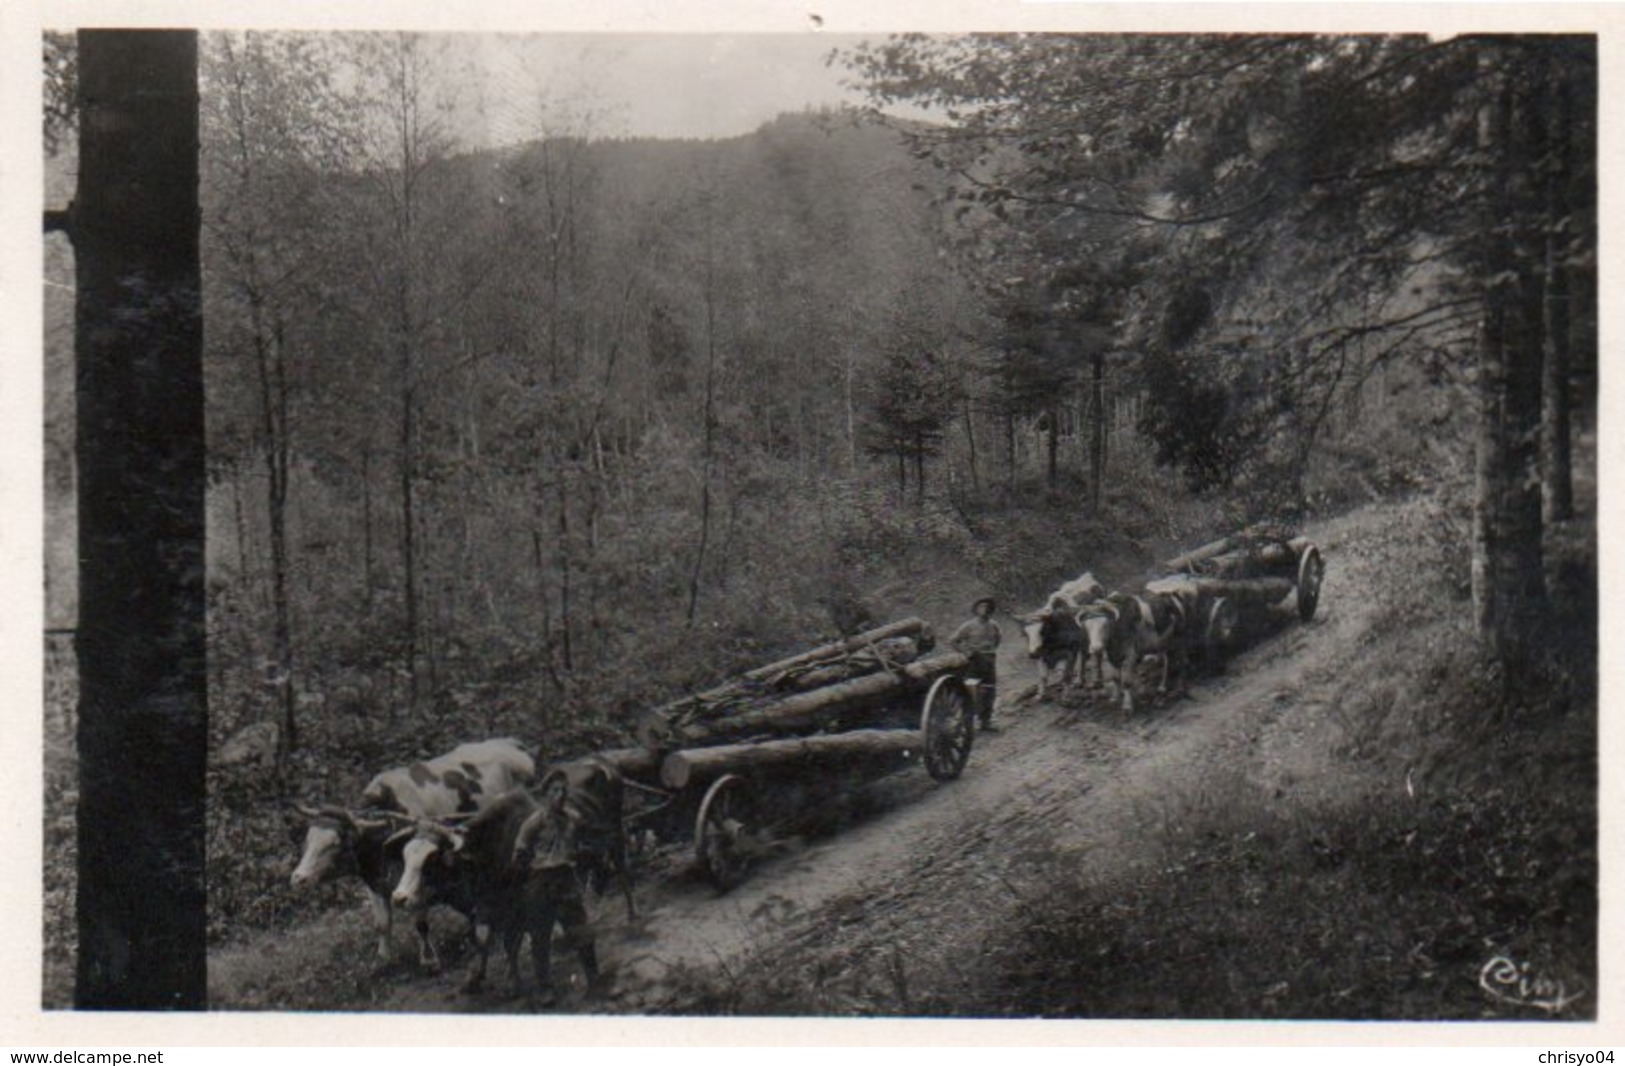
x=1223, y=622
x=1311, y=570
x=948, y=726
x=723, y=838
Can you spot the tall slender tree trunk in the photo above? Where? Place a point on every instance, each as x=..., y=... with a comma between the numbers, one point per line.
x=1508, y=576
x=409, y=562
x=1097, y=428
x=1520, y=576
x=851, y=414
x=919, y=466
x=1010, y=449
x=1053, y=446
x=970, y=443
x=143, y=702
x=566, y=619
x=274, y=413
x=268, y=340
x=595, y=505
x=1557, y=481
x=708, y=430
x=406, y=117
x=244, y=560
x=538, y=558
x=366, y=522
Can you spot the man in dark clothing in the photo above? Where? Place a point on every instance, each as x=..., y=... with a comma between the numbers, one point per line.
x=547, y=846
x=979, y=639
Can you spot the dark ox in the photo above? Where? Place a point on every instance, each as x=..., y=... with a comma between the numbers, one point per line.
x=487, y=859
x=1053, y=636
x=476, y=858
x=1123, y=630
x=340, y=842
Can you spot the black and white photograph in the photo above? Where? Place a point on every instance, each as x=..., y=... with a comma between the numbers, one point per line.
x=1083, y=523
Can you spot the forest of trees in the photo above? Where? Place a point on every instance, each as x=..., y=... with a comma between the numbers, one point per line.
x=1267, y=222
x=486, y=425
x=514, y=409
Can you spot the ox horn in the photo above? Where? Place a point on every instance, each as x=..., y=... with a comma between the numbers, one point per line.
x=381, y=819
x=450, y=836
x=326, y=810
x=400, y=834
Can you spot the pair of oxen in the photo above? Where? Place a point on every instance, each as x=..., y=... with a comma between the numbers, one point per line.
x=457, y=830
x=1083, y=629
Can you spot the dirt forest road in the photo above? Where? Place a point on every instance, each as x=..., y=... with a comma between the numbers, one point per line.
x=919, y=886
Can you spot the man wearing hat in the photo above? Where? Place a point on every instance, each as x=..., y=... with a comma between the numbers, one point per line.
x=979, y=640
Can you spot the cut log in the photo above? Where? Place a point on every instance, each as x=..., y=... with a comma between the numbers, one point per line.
x=908, y=627
x=872, y=651
x=807, y=711
x=683, y=768
x=753, y=682
x=1199, y=555
x=1244, y=590
x=882, y=655
x=1241, y=563
x=638, y=764
x=1253, y=542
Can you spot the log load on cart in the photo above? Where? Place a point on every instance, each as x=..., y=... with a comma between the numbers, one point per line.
x=1237, y=579
x=738, y=763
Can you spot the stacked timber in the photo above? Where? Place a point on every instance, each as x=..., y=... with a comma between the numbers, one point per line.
x=884, y=651
x=1258, y=551
x=847, y=705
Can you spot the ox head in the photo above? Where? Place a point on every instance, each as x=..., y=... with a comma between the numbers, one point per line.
x=1049, y=631
x=525, y=841
x=1098, y=620
x=330, y=843
x=1080, y=590
x=1032, y=627
x=428, y=845
x=1107, y=625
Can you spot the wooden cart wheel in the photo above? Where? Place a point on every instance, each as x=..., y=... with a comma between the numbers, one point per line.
x=723, y=841
x=1311, y=569
x=1223, y=620
x=947, y=728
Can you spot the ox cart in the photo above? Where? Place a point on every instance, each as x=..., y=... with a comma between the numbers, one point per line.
x=1234, y=581
x=739, y=764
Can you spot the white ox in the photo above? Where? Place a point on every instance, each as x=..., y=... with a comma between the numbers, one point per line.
x=340, y=842
x=1124, y=630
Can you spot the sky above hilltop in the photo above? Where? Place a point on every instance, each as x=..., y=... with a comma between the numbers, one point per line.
x=654, y=85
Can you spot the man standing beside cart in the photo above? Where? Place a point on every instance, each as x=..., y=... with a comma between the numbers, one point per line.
x=547, y=849
x=978, y=639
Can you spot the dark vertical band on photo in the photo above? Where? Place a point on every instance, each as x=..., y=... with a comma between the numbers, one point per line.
x=140, y=454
